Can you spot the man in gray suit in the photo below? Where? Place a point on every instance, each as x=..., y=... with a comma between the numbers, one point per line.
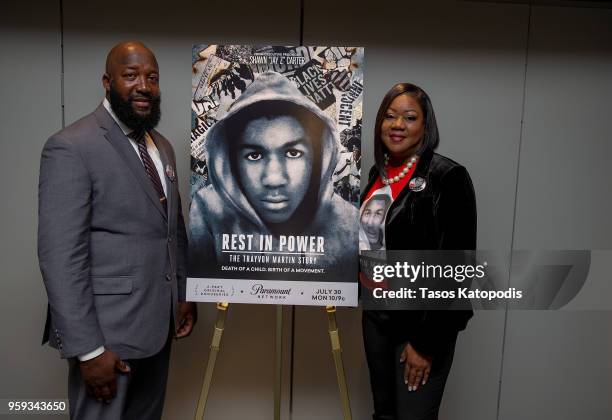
x=112, y=246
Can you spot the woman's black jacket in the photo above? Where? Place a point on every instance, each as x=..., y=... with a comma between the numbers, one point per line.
x=440, y=217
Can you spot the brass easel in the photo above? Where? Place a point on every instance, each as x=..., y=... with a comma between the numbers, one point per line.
x=334, y=337
x=278, y=361
x=222, y=308
x=278, y=342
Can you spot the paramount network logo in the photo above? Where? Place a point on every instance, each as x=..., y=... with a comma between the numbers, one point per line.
x=259, y=289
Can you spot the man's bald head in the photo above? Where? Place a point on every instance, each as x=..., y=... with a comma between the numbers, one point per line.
x=121, y=52
x=131, y=81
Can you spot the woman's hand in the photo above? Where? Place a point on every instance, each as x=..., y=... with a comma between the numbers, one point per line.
x=417, y=368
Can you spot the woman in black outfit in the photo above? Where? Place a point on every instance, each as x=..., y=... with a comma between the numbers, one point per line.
x=433, y=207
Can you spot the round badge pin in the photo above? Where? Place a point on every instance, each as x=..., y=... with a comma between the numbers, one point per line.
x=170, y=173
x=417, y=184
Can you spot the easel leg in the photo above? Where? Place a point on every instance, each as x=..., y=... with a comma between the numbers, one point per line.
x=278, y=361
x=337, y=353
x=212, y=358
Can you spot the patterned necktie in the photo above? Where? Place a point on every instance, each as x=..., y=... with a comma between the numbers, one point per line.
x=140, y=139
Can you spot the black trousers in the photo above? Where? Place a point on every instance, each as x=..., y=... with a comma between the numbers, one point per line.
x=392, y=400
x=140, y=394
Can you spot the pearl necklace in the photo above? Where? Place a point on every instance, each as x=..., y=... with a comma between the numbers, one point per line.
x=396, y=178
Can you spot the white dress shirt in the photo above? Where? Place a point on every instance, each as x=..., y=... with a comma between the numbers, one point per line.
x=153, y=152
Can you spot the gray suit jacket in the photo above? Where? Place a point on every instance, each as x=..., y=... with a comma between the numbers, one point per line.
x=111, y=259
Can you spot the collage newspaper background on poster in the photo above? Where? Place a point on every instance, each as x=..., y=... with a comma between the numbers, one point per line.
x=275, y=161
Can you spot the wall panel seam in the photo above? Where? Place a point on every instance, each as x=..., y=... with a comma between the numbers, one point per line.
x=516, y=187
x=61, y=16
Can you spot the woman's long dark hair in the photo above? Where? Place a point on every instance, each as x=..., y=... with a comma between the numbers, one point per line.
x=431, y=138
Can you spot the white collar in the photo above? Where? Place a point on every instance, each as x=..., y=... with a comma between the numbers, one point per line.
x=126, y=130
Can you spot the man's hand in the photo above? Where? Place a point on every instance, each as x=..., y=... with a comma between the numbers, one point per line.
x=187, y=318
x=416, y=369
x=100, y=377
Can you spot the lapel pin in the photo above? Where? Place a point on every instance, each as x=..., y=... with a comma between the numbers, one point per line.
x=417, y=184
x=170, y=173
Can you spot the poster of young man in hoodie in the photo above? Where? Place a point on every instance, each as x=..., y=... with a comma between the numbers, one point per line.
x=267, y=221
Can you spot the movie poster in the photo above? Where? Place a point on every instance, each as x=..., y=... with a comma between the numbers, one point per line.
x=275, y=161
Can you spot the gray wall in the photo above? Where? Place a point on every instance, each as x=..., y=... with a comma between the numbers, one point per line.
x=557, y=364
x=521, y=96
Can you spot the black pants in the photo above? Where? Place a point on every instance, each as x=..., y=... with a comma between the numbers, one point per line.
x=140, y=394
x=392, y=400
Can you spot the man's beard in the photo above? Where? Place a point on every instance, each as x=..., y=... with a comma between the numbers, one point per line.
x=126, y=114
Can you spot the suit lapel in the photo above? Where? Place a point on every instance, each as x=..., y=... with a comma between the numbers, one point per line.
x=167, y=165
x=404, y=196
x=124, y=148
